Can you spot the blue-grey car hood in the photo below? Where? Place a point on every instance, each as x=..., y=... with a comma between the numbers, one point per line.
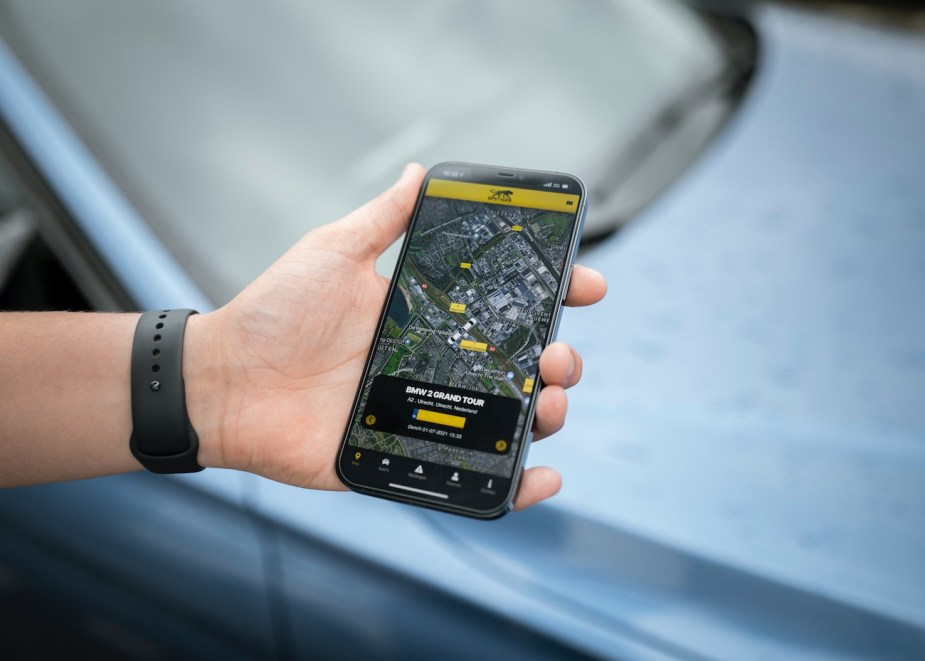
x=743, y=459
x=755, y=389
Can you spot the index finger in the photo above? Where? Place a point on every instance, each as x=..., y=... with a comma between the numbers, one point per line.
x=586, y=287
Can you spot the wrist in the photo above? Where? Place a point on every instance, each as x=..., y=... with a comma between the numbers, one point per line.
x=206, y=387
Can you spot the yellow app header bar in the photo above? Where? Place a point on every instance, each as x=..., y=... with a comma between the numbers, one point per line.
x=501, y=194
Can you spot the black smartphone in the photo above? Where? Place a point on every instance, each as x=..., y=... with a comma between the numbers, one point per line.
x=444, y=410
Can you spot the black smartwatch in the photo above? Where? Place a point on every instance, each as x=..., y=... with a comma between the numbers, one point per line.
x=163, y=440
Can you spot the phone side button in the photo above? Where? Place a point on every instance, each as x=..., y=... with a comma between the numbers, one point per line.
x=527, y=446
x=567, y=281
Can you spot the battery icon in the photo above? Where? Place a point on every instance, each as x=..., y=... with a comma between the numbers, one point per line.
x=564, y=185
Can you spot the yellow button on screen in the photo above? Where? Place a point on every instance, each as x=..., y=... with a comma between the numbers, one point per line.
x=457, y=307
x=471, y=345
x=426, y=415
x=517, y=228
x=465, y=265
x=501, y=446
x=528, y=386
x=370, y=420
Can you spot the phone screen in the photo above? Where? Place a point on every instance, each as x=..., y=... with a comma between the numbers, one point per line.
x=444, y=409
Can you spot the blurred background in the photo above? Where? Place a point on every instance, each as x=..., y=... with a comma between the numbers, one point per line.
x=743, y=460
x=905, y=14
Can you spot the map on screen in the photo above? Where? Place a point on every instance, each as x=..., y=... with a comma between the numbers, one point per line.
x=457, y=360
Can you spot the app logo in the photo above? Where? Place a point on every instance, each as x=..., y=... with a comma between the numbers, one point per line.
x=498, y=195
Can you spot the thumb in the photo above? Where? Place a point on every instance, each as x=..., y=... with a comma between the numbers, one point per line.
x=377, y=224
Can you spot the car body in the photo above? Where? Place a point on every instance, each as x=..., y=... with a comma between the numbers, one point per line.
x=742, y=460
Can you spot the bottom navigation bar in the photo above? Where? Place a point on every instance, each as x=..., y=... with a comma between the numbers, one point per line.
x=424, y=479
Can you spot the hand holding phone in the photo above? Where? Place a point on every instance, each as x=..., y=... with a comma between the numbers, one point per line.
x=273, y=373
x=445, y=407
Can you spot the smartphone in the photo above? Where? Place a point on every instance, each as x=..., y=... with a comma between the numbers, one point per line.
x=444, y=410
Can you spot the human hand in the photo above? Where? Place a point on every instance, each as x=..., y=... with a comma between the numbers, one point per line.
x=272, y=375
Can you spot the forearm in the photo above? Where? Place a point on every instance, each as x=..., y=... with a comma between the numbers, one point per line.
x=65, y=397
x=65, y=406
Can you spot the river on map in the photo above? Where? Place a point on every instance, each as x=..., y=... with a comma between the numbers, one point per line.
x=399, y=309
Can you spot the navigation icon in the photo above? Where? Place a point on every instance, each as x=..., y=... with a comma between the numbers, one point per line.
x=386, y=462
x=419, y=470
x=490, y=482
x=455, y=477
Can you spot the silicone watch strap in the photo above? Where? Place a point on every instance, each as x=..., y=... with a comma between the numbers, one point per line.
x=163, y=439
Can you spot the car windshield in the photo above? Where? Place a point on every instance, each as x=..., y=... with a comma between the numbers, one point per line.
x=236, y=127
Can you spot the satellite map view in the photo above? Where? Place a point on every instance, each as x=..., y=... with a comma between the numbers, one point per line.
x=457, y=359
